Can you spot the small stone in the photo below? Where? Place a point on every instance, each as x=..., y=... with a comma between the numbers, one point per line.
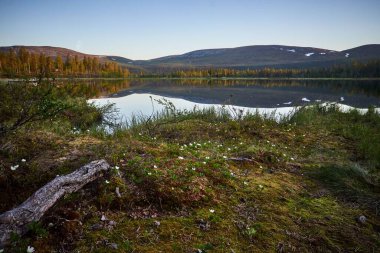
x=103, y=218
x=113, y=245
x=362, y=219
x=203, y=225
x=112, y=223
x=97, y=226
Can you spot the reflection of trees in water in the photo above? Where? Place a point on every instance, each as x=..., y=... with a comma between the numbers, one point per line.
x=366, y=87
x=95, y=88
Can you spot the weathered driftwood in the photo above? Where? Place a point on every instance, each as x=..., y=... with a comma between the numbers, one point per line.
x=17, y=219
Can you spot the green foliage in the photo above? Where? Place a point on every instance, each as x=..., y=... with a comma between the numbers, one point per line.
x=37, y=229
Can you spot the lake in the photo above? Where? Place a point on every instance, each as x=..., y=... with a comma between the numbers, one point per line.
x=278, y=97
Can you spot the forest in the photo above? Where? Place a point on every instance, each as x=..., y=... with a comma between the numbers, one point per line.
x=25, y=64
x=355, y=69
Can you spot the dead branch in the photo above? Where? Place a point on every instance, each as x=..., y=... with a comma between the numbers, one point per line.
x=17, y=219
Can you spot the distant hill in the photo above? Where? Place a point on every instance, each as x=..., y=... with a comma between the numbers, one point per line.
x=262, y=56
x=277, y=56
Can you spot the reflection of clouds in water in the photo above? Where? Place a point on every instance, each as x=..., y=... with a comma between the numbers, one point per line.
x=141, y=105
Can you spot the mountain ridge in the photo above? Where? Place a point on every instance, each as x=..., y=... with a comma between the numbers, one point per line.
x=256, y=56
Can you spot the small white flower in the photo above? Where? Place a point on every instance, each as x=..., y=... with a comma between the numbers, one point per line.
x=260, y=186
x=107, y=182
x=225, y=157
x=180, y=158
x=207, y=157
x=261, y=167
x=117, y=167
x=291, y=158
x=23, y=160
x=228, y=149
x=13, y=168
x=30, y=249
x=155, y=166
x=204, y=162
x=245, y=183
x=232, y=174
x=193, y=168
x=149, y=173
x=212, y=211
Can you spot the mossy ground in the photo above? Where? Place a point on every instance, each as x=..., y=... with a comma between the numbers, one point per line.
x=302, y=187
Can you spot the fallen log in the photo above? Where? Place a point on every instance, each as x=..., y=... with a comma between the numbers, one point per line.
x=32, y=209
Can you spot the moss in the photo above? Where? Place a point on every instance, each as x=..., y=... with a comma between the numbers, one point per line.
x=305, y=183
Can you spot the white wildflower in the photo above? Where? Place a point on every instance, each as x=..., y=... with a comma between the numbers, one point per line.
x=180, y=158
x=225, y=157
x=117, y=167
x=193, y=169
x=13, y=168
x=107, y=182
x=149, y=173
x=30, y=249
x=207, y=157
x=23, y=160
x=245, y=183
x=155, y=166
x=204, y=162
x=212, y=211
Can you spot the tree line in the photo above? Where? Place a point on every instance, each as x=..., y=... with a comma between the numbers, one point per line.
x=354, y=69
x=23, y=63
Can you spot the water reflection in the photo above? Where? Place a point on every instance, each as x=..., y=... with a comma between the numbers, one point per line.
x=247, y=93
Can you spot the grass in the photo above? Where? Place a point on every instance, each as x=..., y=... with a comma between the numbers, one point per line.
x=302, y=187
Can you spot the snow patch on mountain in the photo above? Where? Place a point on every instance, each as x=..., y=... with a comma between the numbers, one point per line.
x=309, y=54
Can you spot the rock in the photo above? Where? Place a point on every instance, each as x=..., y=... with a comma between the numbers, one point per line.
x=113, y=245
x=203, y=225
x=97, y=226
x=362, y=219
x=112, y=223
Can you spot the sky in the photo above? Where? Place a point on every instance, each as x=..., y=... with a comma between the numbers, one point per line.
x=143, y=29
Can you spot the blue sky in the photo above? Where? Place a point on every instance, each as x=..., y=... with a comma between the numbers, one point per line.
x=142, y=29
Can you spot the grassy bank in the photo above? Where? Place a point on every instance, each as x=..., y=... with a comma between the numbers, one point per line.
x=201, y=182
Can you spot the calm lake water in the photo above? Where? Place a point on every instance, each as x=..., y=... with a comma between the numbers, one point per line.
x=134, y=97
